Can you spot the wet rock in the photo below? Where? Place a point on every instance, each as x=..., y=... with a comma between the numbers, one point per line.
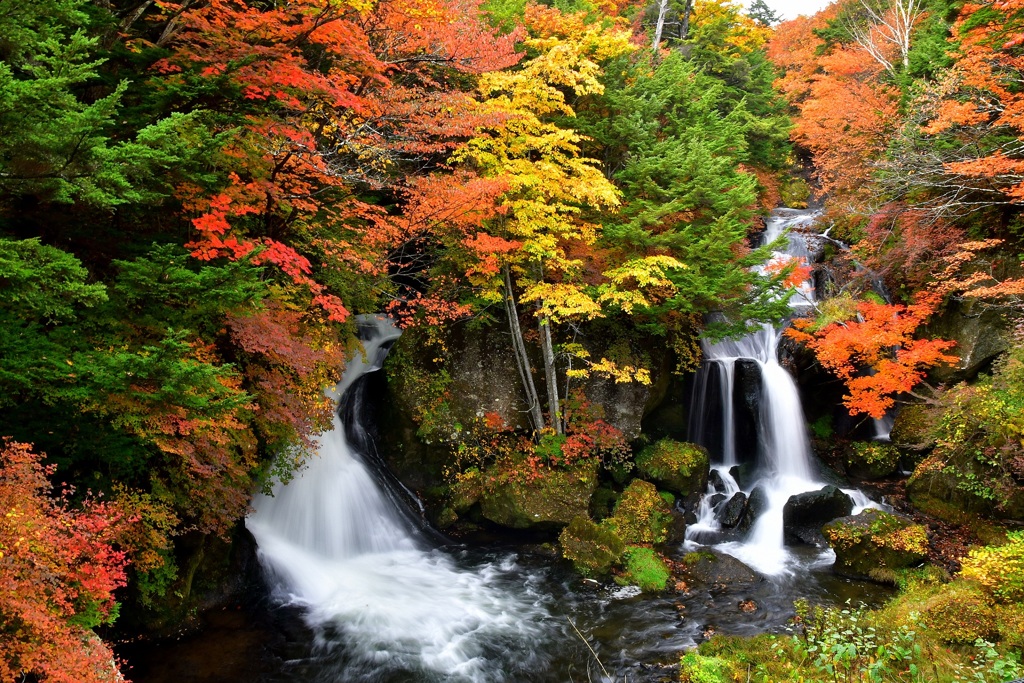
x=677, y=466
x=712, y=567
x=731, y=514
x=593, y=549
x=757, y=503
x=746, y=404
x=717, y=499
x=738, y=475
x=874, y=543
x=690, y=504
x=550, y=501
x=716, y=482
x=805, y=513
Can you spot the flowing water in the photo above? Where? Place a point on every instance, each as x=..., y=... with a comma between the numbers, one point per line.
x=782, y=464
x=359, y=589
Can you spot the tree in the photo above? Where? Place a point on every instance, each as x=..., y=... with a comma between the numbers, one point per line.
x=58, y=572
x=764, y=15
x=885, y=29
x=876, y=354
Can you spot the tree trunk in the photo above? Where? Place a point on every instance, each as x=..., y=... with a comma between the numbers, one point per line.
x=684, y=28
x=550, y=375
x=522, y=360
x=662, y=10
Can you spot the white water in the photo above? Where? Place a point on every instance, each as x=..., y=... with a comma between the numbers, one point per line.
x=784, y=460
x=333, y=542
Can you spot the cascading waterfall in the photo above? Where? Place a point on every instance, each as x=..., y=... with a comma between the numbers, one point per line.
x=783, y=460
x=332, y=542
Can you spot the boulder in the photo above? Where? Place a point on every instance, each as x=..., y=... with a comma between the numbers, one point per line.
x=872, y=544
x=716, y=482
x=757, y=503
x=957, y=486
x=871, y=459
x=676, y=466
x=981, y=333
x=550, y=501
x=712, y=567
x=913, y=429
x=805, y=513
x=717, y=499
x=593, y=549
x=641, y=515
x=731, y=513
x=746, y=404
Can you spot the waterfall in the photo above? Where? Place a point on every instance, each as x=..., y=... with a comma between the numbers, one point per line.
x=333, y=542
x=783, y=454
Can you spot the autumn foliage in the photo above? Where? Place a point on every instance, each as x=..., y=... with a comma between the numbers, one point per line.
x=876, y=354
x=58, y=571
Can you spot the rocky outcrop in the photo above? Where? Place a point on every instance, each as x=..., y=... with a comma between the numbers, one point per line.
x=980, y=334
x=805, y=513
x=874, y=543
x=676, y=466
x=757, y=503
x=914, y=427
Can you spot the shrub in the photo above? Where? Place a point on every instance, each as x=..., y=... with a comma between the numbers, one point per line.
x=999, y=569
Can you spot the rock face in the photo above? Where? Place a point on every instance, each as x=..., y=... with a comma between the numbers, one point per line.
x=874, y=543
x=591, y=548
x=731, y=513
x=676, y=466
x=712, y=567
x=980, y=335
x=805, y=513
x=548, y=502
x=913, y=427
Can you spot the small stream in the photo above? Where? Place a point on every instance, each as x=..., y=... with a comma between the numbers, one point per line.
x=357, y=589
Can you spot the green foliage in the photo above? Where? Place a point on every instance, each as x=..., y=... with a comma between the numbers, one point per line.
x=822, y=427
x=696, y=668
x=644, y=568
x=43, y=284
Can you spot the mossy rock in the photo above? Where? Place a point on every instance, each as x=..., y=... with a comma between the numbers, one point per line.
x=913, y=430
x=957, y=487
x=549, y=501
x=872, y=459
x=644, y=568
x=873, y=541
x=677, y=466
x=466, y=491
x=960, y=613
x=592, y=549
x=641, y=515
x=714, y=568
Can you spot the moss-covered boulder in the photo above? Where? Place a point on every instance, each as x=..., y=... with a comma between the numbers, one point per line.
x=549, y=501
x=871, y=459
x=913, y=430
x=677, y=466
x=960, y=612
x=644, y=568
x=874, y=543
x=593, y=549
x=642, y=515
x=954, y=486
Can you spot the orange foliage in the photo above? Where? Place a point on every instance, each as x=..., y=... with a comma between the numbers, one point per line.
x=982, y=93
x=332, y=94
x=58, y=571
x=877, y=355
